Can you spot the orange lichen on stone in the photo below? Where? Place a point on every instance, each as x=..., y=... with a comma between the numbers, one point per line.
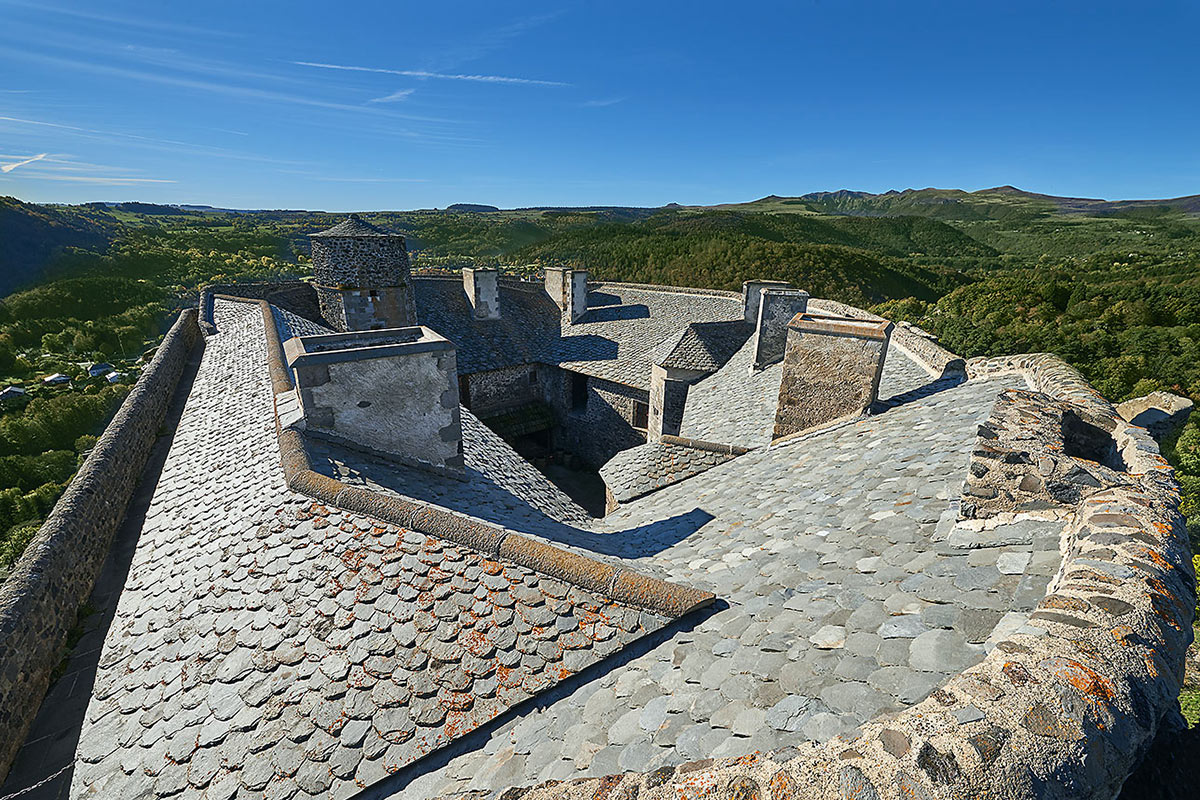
x=1090, y=683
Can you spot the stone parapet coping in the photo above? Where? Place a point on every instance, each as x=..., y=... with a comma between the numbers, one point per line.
x=700, y=444
x=617, y=584
x=841, y=326
x=1065, y=708
x=668, y=289
x=936, y=360
x=40, y=600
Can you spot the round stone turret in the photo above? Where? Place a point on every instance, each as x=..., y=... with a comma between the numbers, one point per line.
x=362, y=277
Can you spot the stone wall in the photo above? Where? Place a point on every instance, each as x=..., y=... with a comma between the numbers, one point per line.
x=360, y=261
x=393, y=393
x=831, y=370
x=499, y=390
x=776, y=308
x=602, y=429
x=1064, y=708
x=55, y=575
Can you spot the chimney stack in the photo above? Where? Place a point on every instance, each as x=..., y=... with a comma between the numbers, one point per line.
x=831, y=369
x=362, y=277
x=483, y=291
x=776, y=308
x=393, y=392
x=568, y=289
x=752, y=294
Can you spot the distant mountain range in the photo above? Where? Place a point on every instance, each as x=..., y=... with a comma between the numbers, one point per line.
x=994, y=203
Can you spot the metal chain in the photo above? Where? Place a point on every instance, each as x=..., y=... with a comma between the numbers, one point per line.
x=39, y=784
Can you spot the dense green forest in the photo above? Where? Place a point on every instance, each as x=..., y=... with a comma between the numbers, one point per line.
x=1112, y=287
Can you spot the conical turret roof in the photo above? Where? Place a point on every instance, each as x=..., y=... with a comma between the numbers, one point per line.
x=354, y=226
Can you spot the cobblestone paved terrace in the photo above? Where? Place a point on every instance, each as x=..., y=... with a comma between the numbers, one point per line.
x=240, y=664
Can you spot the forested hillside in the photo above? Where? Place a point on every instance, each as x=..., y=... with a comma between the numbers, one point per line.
x=1112, y=287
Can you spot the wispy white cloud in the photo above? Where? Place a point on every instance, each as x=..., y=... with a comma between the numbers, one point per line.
x=142, y=22
x=11, y=167
x=170, y=145
x=228, y=90
x=394, y=97
x=97, y=179
x=418, y=73
x=612, y=101
x=16, y=91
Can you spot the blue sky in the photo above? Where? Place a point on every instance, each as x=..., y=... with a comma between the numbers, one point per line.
x=398, y=105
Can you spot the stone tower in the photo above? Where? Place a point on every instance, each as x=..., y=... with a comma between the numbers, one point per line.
x=362, y=277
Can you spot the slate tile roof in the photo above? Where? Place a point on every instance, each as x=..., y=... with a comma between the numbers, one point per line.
x=265, y=643
x=844, y=600
x=703, y=346
x=613, y=340
x=736, y=405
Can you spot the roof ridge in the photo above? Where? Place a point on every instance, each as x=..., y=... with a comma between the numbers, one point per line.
x=621, y=585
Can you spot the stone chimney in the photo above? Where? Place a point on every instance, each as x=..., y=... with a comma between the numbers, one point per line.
x=483, y=291
x=776, y=309
x=393, y=392
x=668, y=394
x=362, y=277
x=752, y=294
x=568, y=289
x=831, y=370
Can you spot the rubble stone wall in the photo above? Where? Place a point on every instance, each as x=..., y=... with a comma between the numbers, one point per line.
x=55, y=575
x=604, y=427
x=499, y=390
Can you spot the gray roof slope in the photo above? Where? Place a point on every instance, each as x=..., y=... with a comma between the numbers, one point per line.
x=616, y=337
x=844, y=601
x=703, y=346
x=500, y=486
x=267, y=643
x=528, y=318
x=737, y=404
x=613, y=340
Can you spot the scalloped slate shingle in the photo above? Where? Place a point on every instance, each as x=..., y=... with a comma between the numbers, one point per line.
x=266, y=642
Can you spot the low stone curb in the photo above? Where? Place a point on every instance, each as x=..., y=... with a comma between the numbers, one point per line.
x=621, y=585
x=1066, y=708
x=55, y=575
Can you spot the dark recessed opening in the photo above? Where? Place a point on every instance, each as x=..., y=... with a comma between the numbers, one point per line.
x=364, y=403
x=641, y=415
x=579, y=393
x=1082, y=439
x=464, y=391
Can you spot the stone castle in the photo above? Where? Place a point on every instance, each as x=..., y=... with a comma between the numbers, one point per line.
x=832, y=559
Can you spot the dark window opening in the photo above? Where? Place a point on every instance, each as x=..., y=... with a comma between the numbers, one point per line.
x=1082, y=439
x=532, y=376
x=464, y=390
x=373, y=294
x=641, y=415
x=579, y=391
